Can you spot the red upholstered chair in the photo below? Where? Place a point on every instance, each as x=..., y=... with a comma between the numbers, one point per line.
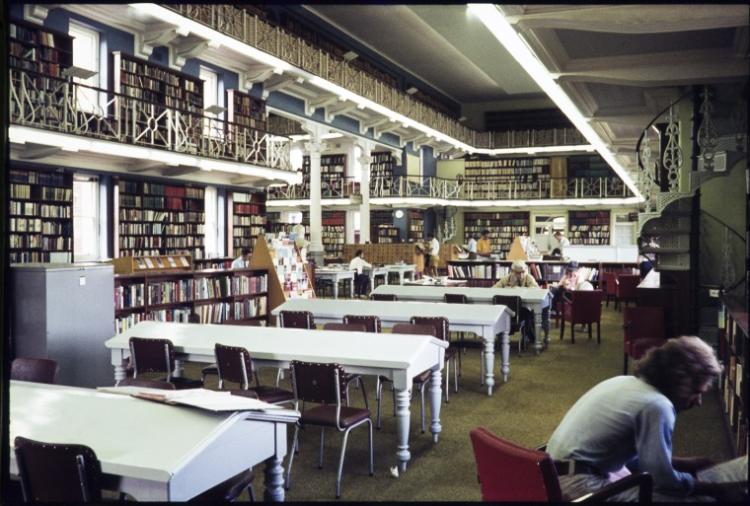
x=626, y=288
x=296, y=320
x=38, y=370
x=372, y=323
x=585, y=306
x=351, y=378
x=643, y=329
x=609, y=286
x=323, y=385
x=511, y=473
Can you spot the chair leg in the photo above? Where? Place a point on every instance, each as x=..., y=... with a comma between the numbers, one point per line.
x=447, y=382
x=481, y=367
x=421, y=397
x=456, y=374
x=573, y=333
x=589, y=332
x=251, y=492
x=341, y=462
x=295, y=443
x=562, y=329
x=322, y=445
x=598, y=333
x=393, y=397
x=372, y=455
x=625, y=363
x=378, y=397
x=364, y=393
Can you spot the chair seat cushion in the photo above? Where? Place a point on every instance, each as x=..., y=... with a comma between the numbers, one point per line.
x=244, y=393
x=273, y=395
x=326, y=415
x=184, y=383
x=639, y=347
x=228, y=490
x=451, y=352
x=210, y=369
x=423, y=377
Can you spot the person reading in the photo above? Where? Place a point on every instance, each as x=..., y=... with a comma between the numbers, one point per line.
x=519, y=277
x=243, y=260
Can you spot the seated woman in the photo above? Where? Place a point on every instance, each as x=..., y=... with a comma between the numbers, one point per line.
x=519, y=277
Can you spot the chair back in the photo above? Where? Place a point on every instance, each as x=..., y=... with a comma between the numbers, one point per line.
x=349, y=327
x=410, y=328
x=39, y=370
x=151, y=355
x=246, y=323
x=512, y=301
x=383, y=296
x=641, y=322
x=627, y=285
x=609, y=283
x=297, y=319
x=439, y=322
x=585, y=306
x=371, y=323
x=57, y=472
x=146, y=383
x=319, y=383
x=455, y=298
x=234, y=364
x=508, y=472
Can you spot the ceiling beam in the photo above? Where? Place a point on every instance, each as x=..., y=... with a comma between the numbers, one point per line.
x=339, y=109
x=364, y=126
x=37, y=151
x=180, y=170
x=188, y=49
x=144, y=166
x=279, y=82
x=322, y=100
x=385, y=128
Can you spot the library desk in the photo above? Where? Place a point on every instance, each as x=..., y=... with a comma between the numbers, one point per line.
x=431, y=282
x=484, y=320
x=336, y=275
x=374, y=273
x=534, y=299
x=399, y=357
x=152, y=451
x=402, y=269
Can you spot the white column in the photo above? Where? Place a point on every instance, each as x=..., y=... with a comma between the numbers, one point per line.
x=314, y=148
x=364, y=209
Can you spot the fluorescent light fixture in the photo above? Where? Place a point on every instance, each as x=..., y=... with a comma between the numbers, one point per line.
x=411, y=90
x=496, y=23
x=350, y=55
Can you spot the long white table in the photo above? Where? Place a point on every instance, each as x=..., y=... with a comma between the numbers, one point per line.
x=399, y=357
x=336, y=275
x=401, y=270
x=152, y=451
x=484, y=320
x=374, y=273
x=535, y=299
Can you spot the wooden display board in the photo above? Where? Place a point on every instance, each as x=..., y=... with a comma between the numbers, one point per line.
x=159, y=263
x=516, y=251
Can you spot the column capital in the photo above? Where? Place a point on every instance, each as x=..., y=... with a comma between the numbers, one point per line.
x=315, y=148
x=365, y=161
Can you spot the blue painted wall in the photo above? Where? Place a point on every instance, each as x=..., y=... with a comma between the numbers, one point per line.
x=401, y=223
x=430, y=221
x=429, y=165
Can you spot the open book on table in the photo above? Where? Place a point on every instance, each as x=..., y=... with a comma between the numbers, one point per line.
x=209, y=400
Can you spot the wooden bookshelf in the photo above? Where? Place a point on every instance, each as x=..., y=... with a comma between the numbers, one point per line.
x=213, y=263
x=382, y=230
x=39, y=49
x=207, y=296
x=40, y=216
x=518, y=178
x=503, y=228
x=381, y=172
x=146, y=264
x=416, y=226
x=159, y=219
x=248, y=220
x=589, y=227
x=333, y=233
x=245, y=110
x=332, y=172
x=733, y=346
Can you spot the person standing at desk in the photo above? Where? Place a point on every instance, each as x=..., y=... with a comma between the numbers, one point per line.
x=472, y=245
x=484, y=245
x=242, y=261
x=519, y=277
x=361, y=280
x=563, y=242
x=434, y=255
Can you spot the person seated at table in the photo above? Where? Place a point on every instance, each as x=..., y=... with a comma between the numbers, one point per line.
x=519, y=277
x=361, y=280
x=568, y=281
x=625, y=424
x=484, y=245
x=242, y=261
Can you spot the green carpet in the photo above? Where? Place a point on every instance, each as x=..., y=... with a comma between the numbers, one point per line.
x=525, y=410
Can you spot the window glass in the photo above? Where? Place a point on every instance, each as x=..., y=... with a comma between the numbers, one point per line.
x=85, y=218
x=86, y=56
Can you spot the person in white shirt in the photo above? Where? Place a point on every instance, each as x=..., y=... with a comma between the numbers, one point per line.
x=564, y=243
x=242, y=261
x=434, y=254
x=361, y=280
x=472, y=246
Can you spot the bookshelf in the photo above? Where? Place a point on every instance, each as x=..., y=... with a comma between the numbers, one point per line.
x=416, y=226
x=733, y=343
x=248, y=220
x=333, y=233
x=213, y=263
x=513, y=177
x=589, y=227
x=246, y=111
x=381, y=172
x=39, y=49
x=40, y=216
x=503, y=228
x=208, y=296
x=382, y=230
x=160, y=219
x=332, y=173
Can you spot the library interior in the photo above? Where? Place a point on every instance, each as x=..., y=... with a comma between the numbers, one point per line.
x=211, y=210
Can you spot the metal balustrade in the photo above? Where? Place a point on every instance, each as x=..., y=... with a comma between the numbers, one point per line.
x=51, y=103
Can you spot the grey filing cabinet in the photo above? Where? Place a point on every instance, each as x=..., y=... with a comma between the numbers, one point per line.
x=65, y=312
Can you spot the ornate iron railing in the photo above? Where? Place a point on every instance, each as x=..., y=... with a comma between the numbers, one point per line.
x=462, y=189
x=65, y=106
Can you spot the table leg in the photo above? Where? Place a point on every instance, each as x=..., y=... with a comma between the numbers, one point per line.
x=178, y=368
x=335, y=288
x=489, y=363
x=436, y=382
x=400, y=277
x=351, y=288
x=505, y=344
x=119, y=372
x=274, y=480
x=538, y=328
x=402, y=425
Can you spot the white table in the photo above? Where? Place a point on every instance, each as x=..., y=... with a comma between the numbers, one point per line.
x=374, y=273
x=336, y=275
x=152, y=451
x=484, y=320
x=402, y=269
x=431, y=282
x=398, y=357
x=535, y=299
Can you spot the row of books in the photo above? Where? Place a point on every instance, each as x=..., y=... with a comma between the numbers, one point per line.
x=31, y=36
x=34, y=177
x=161, y=216
x=196, y=253
x=150, y=71
x=129, y=296
x=246, y=221
x=173, y=191
x=244, y=242
x=507, y=162
x=217, y=312
x=248, y=231
x=539, y=171
x=593, y=227
x=25, y=257
x=170, y=292
x=46, y=242
x=471, y=271
x=49, y=69
x=37, y=225
x=250, y=308
x=156, y=228
x=140, y=242
x=168, y=262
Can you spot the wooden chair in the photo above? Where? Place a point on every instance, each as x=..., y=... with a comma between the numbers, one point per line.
x=53, y=472
x=585, y=306
x=458, y=298
x=322, y=384
x=38, y=370
x=626, y=288
x=441, y=325
x=383, y=296
x=643, y=329
x=351, y=378
x=609, y=287
x=157, y=356
x=511, y=473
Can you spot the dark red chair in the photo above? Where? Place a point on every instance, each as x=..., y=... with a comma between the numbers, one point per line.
x=296, y=320
x=146, y=383
x=211, y=369
x=149, y=355
x=643, y=329
x=371, y=323
x=442, y=326
x=584, y=306
x=351, y=378
x=38, y=370
x=511, y=473
x=609, y=286
x=383, y=296
x=626, y=290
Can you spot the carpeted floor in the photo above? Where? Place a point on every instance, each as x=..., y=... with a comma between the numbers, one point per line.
x=525, y=410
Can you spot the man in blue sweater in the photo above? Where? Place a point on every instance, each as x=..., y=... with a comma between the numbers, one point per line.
x=625, y=424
